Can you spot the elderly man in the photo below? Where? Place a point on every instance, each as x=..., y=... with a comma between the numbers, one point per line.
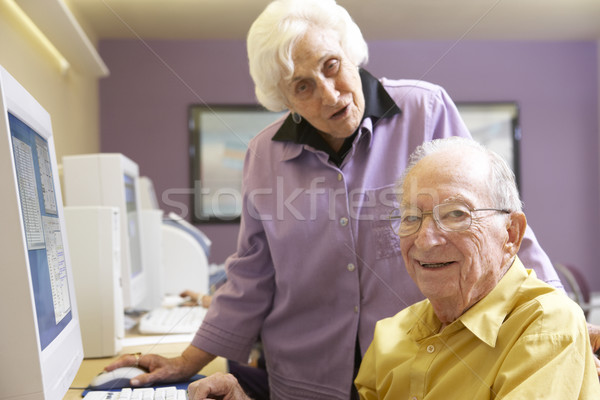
x=489, y=329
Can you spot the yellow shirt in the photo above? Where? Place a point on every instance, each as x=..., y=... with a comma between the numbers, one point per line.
x=525, y=340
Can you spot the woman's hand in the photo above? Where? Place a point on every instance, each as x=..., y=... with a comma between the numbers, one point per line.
x=190, y=296
x=162, y=369
x=218, y=386
x=194, y=298
x=594, y=332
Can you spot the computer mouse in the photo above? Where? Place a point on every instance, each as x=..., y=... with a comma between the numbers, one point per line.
x=115, y=379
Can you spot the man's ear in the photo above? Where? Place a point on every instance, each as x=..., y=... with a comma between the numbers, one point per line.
x=516, y=230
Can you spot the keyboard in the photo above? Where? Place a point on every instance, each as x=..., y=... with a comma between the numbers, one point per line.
x=163, y=393
x=165, y=320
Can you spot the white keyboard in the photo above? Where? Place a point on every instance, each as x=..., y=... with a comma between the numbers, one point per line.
x=164, y=320
x=165, y=393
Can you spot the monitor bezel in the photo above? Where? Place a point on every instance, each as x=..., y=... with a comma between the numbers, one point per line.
x=50, y=371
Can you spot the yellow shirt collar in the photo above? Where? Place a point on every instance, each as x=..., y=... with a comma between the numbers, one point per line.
x=485, y=318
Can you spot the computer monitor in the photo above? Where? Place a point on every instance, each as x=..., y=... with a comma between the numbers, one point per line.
x=148, y=194
x=111, y=179
x=40, y=340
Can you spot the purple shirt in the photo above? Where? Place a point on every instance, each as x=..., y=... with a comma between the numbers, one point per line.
x=317, y=263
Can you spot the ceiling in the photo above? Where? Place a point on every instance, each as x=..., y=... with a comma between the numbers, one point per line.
x=378, y=19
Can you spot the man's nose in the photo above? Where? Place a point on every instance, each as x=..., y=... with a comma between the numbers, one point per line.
x=429, y=234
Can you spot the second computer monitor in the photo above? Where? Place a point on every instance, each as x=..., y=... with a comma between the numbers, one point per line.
x=111, y=179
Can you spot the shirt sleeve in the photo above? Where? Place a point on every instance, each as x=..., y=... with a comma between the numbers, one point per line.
x=235, y=317
x=532, y=255
x=445, y=119
x=557, y=372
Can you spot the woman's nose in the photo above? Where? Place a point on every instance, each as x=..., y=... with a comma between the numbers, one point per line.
x=329, y=93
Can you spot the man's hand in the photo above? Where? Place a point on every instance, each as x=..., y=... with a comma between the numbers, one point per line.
x=594, y=332
x=219, y=386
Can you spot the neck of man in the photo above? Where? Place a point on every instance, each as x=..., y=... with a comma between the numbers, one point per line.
x=449, y=309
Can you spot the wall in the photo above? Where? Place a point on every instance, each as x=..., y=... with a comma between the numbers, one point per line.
x=71, y=99
x=144, y=105
x=144, y=115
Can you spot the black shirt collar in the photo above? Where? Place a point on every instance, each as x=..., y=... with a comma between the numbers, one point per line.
x=378, y=104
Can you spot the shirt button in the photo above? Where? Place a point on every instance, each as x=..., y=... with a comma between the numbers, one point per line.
x=430, y=348
x=351, y=267
x=414, y=398
x=340, y=176
x=343, y=221
x=356, y=309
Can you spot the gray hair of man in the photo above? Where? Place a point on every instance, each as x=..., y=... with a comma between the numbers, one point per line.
x=279, y=27
x=501, y=184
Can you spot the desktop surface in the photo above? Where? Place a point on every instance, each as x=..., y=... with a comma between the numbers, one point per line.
x=93, y=366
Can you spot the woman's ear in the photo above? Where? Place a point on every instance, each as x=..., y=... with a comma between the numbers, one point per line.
x=516, y=225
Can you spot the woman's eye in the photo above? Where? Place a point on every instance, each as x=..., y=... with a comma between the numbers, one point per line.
x=332, y=66
x=302, y=88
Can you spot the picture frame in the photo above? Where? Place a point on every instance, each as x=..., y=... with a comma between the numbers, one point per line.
x=496, y=125
x=219, y=137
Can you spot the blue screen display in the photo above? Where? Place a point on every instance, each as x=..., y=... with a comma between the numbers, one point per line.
x=47, y=259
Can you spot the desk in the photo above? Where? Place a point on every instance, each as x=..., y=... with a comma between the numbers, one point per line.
x=91, y=367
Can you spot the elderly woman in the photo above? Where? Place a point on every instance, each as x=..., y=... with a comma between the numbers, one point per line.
x=316, y=264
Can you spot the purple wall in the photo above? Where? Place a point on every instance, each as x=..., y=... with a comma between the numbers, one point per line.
x=143, y=112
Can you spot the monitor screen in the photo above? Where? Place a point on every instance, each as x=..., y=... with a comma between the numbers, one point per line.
x=42, y=231
x=40, y=341
x=133, y=227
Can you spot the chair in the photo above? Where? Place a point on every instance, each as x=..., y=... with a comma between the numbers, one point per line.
x=575, y=285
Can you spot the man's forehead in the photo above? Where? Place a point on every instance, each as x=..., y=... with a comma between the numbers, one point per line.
x=434, y=198
x=453, y=164
x=443, y=177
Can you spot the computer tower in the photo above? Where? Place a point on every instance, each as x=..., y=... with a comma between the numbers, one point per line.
x=94, y=233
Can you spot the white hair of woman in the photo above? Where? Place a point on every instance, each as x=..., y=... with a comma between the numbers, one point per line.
x=279, y=27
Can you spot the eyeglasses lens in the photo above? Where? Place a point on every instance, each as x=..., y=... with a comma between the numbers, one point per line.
x=448, y=217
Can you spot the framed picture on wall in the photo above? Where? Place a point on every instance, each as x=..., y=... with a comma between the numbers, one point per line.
x=496, y=126
x=219, y=140
x=220, y=135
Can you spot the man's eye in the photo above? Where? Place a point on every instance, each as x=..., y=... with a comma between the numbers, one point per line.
x=410, y=219
x=455, y=214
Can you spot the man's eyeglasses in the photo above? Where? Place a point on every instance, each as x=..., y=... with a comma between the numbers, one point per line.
x=451, y=217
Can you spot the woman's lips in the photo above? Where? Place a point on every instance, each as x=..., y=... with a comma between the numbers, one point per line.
x=340, y=114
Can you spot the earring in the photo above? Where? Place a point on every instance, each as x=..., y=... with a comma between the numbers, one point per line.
x=297, y=118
